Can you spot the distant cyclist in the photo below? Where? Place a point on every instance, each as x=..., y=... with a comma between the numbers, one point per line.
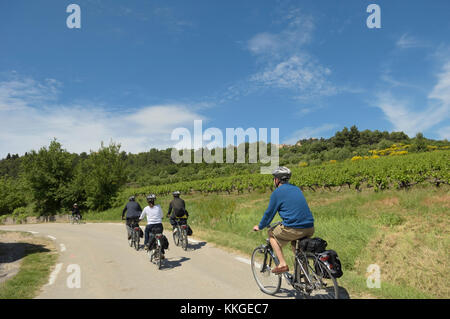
x=76, y=211
x=298, y=222
x=177, y=209
x=154, y=215
x=133, y=210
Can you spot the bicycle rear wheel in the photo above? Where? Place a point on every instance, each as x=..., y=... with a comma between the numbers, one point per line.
x=261, y=264
x=184, y=239
x=323, y=285
x=159, y=263
x=176, y=236
x=136, y=239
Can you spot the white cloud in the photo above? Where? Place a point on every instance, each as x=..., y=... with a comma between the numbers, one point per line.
x=298, y=73
x=24, y=126
x=404, y=118
x=309, y=132
x=407, y=41
x=285, y=63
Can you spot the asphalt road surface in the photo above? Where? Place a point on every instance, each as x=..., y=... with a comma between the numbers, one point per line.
x=95, y=261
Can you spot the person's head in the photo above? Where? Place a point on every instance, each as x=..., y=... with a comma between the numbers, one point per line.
x=176, y=194
x=75, y=205
x=281, y=175
x=151, y=200
x=131, y=199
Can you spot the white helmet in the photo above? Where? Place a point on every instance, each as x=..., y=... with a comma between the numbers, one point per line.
x=282, y=173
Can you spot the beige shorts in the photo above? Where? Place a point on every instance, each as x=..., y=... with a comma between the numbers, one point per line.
x=285, y=234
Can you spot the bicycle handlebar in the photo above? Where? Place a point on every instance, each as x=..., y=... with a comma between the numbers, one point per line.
x=271, y=226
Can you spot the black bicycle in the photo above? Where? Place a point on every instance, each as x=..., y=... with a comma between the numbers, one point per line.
x=156, y=255
x=180, y=236
x=311, y=276
x=135, y=235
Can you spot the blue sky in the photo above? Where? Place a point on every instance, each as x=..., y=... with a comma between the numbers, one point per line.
x=136, y=70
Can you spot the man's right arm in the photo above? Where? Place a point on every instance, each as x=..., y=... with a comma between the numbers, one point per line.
x=170, y=209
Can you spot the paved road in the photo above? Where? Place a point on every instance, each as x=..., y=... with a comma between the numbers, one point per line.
x=109, y=268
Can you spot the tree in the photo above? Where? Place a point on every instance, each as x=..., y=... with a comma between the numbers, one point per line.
x=47, y=173
x=104, y=173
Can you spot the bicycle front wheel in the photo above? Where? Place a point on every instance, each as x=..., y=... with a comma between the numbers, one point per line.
x=323, y=285
x=261, y=264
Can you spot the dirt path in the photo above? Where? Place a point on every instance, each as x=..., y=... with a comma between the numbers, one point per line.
x=96, y=262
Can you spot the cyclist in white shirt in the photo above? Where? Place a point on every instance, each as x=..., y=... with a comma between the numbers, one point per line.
x=154, y=215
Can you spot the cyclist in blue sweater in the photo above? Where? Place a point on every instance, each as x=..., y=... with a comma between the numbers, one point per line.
x=298, y=222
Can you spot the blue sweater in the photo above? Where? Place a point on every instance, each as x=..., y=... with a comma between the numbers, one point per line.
x=289, y=202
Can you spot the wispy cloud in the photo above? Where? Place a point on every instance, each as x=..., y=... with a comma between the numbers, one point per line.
x=402, y=114
x=30, y=117
x=407, y=41
x=285, y=62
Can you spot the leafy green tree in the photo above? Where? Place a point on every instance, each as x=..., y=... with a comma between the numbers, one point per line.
x=103, y=173
x=13, y=194
x=47, y=172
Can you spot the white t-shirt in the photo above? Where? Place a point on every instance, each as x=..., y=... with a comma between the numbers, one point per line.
x=154, y=214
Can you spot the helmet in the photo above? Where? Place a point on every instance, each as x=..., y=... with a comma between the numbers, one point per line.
x=151, y=197
x=131, y=198
x=75, y=204
x=176, y=193
x=282, y=173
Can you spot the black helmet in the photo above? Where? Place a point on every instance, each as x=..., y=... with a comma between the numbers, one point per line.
x=131, y=199
x=151, y=197
x=176, y=193
x=282, y=173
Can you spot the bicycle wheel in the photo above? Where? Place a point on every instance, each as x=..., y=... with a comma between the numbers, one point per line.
x=184, y=239
x=323, y=285
x=176, y=237
x=136, y=239
x=159, y=260
x=261, y=264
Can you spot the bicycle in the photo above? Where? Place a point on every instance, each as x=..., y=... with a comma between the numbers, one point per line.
x=156, y=253
x=135, y=236
x=75, y=219
x=180, y=234
x=311, y=276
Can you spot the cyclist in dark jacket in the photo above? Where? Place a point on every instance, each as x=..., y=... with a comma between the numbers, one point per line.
x=177, y=209
x=76, y=211
x=134, y=211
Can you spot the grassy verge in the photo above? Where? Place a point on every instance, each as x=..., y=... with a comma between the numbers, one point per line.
x=404, y=232
x=39, y=255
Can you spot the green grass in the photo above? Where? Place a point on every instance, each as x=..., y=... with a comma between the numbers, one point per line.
x=34, y=270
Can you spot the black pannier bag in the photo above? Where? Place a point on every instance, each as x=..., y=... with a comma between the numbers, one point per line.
x=164, y=242
x=331, y=259
x=189, y=230
x=313, y=245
